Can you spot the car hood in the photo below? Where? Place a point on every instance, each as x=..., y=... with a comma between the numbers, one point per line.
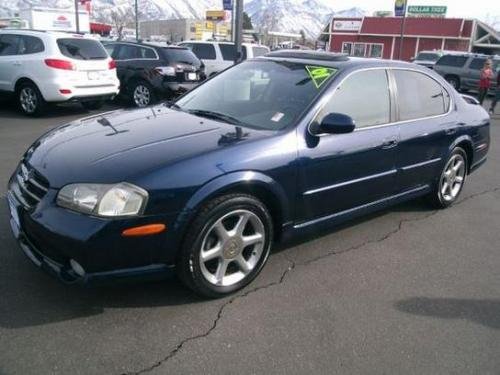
x=119, y=145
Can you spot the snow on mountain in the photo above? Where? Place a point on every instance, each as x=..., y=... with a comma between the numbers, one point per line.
x=272, y=15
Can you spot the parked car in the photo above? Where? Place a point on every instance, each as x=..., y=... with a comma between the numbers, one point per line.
x=52, y=67
x=463, y=70
x=266, y=151
x=428, y=58
x=218, y=56
x=149, y=71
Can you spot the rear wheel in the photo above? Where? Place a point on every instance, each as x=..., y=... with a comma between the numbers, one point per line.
x=141, y=94
x=451, y=181
x=454, y=81
x=93, y=105
x=30, y=100
x=226, y=246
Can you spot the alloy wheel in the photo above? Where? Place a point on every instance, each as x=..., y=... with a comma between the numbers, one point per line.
x=28, y=99
x=142, y=96
x=232, y=247
x=453, y=178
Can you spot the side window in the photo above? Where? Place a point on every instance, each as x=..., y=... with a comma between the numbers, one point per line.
x=127, y=52
x=477, y=63
x=228, y=51
x=204, y=51
x=419, y=95
x=244, y=54
x=364, y=96
x=9, y=45
x=30, y=44
x=110, y=49
x=451, y=60
x=146, y=53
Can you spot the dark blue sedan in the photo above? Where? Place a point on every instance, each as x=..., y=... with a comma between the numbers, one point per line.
x=265, y=151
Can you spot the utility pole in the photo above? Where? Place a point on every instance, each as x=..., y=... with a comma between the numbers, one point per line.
x=238, y=30
x=402, y=31
x=77, y=20
x=136, y=22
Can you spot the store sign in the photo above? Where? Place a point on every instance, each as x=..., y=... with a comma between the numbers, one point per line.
x=400, y=8
x=354, y=25
x=215, y=15
x=61, y=22
x=427, y=10
x=227, y=4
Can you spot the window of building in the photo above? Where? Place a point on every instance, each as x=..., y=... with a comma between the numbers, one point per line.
x=374, y=50
x=359, y=50
x=347, y=48
x=431, y=99
x=364, y=96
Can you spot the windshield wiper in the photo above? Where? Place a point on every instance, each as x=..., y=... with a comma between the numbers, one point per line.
x=216, y=116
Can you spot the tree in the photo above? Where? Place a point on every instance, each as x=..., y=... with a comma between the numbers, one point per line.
x=119, y=20
x=247, y=22
x=302, y=37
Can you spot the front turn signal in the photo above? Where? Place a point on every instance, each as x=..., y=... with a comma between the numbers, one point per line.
x=144, y=230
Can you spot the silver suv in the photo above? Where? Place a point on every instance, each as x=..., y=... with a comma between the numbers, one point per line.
x=463, y=70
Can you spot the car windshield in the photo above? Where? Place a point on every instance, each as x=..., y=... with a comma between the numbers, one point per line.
x=261, y=94
x=181, y=55
x=428, y=56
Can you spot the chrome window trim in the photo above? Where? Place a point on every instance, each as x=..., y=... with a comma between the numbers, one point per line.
x=387, y=68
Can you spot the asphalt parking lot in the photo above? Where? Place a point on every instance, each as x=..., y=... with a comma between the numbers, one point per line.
x=408, y=290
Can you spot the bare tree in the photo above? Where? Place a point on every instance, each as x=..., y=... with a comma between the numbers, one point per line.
x=119, y=19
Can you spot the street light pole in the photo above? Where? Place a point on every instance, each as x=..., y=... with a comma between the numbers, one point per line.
x=136, y=22
x=77, y=20
x=238, y=30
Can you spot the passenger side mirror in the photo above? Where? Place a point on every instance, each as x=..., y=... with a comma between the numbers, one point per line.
x=335, y=123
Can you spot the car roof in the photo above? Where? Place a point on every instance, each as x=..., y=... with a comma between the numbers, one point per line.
x=66, y=34
x=146, y=44
x=334, y=60
x=221, y=42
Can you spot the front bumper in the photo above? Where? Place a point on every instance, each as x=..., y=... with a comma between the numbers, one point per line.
x=51, y=236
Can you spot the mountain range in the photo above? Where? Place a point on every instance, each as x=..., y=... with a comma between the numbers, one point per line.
x=274, y=15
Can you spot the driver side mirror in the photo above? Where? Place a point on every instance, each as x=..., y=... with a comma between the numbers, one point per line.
x=335, y=123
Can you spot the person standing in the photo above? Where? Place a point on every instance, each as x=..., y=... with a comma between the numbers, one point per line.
x=497, y=95
x=485, y=80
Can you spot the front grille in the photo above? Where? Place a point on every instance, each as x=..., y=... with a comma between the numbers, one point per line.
x=29, y=186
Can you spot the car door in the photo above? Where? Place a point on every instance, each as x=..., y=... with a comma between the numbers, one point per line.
x=473, y=72
x=9, y=61
x=427, y=127
x=339, y=172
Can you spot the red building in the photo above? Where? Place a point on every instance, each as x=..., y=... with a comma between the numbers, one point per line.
x=381, y=36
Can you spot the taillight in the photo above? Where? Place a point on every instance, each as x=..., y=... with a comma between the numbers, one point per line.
x=60, y=64
x=112, y=64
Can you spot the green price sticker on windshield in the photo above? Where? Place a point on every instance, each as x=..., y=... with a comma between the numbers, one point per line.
x=320, y=74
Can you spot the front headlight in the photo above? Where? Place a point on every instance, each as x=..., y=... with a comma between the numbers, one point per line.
x=121, y=199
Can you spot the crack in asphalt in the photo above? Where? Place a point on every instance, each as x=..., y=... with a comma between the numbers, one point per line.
x=292, y=265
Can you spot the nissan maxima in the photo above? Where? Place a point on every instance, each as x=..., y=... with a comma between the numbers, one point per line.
x=268, y=150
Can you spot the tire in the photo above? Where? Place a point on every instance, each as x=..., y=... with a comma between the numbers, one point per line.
x=214, y=259
x=92, y=105
x=141, y=94
x=454, y=81
x=29, y=100
x=448, y=186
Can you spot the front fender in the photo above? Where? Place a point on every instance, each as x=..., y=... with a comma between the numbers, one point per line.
x=228, y=182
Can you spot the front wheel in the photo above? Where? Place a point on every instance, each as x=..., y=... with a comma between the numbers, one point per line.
x=226, y=246
x=451, y=180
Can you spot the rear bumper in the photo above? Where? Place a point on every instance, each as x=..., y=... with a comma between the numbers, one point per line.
x=79, y=90
x=179, y=88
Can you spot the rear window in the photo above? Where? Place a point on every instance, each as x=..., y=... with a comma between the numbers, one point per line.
x=259, y=51
x=180, y=55
x=428, y=56
x=451, y=60
x=82, y=49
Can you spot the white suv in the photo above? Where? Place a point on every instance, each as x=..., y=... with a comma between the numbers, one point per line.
x=40, y=67
x=217, y=56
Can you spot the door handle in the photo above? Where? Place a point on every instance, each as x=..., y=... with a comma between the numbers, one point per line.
x=389, y=143
x=450, y=131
